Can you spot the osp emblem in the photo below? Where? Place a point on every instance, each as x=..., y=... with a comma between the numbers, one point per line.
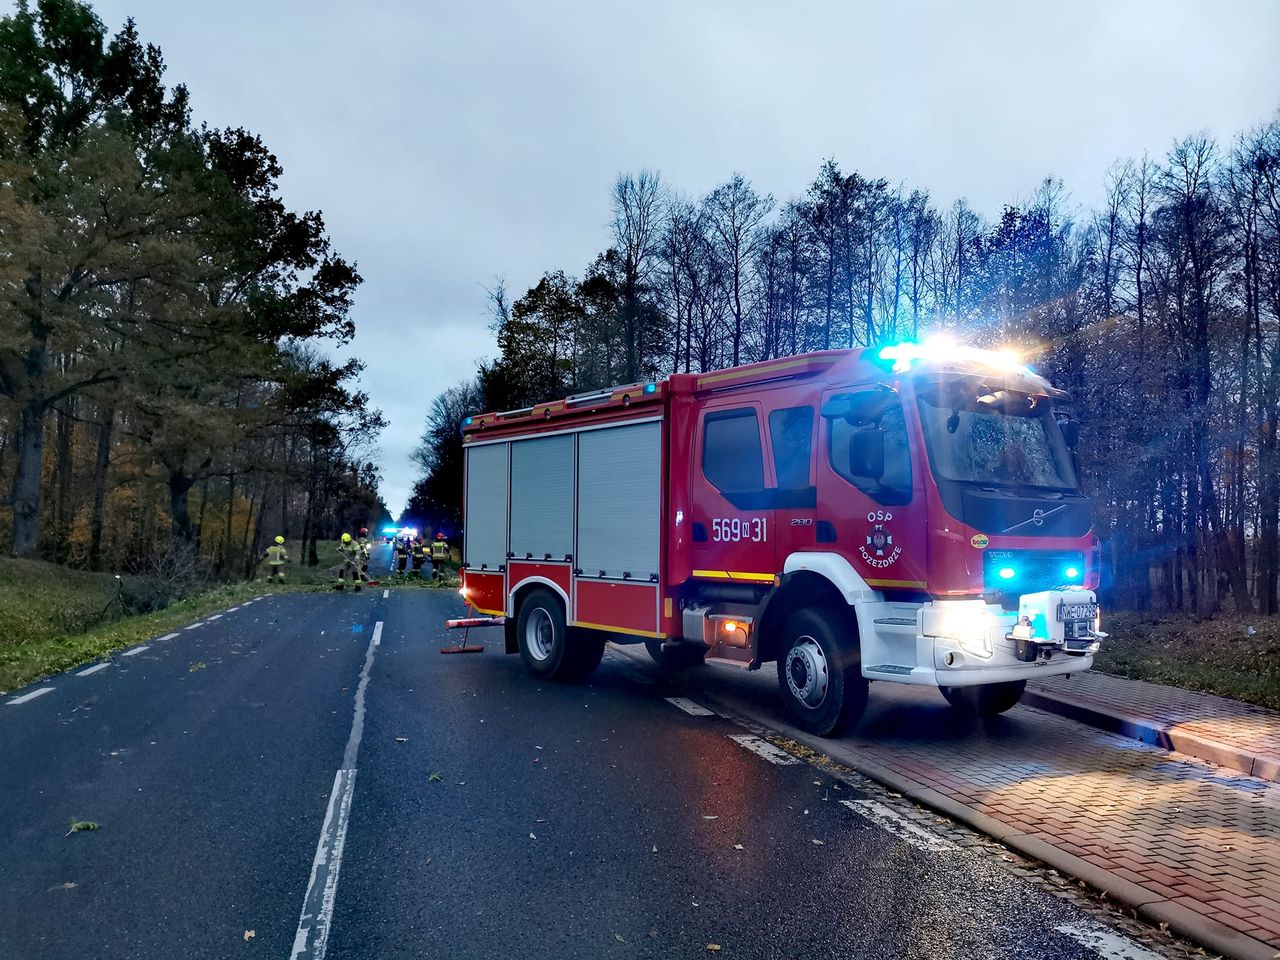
x=880, y=551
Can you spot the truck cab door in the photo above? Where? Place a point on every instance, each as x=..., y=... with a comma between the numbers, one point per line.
x=732, y=533
x=871, y=506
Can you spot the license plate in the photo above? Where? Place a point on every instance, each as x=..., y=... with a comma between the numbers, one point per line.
x=1077, y=611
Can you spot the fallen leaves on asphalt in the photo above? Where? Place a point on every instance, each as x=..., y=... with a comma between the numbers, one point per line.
x=78, y=826
x=402, y=739
x=713, y=948
x=436, y=777
x=250, y=934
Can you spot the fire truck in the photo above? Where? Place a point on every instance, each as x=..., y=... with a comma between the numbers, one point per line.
x=907, y=513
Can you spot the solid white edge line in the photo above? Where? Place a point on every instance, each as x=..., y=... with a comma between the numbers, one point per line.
x=135, y=651
x=689, y=707
x=312, y=937
x=763, y=748
x=94, y=669
x=29, y=696
x=167, y=636
x=1107, y=945
x=902, y=828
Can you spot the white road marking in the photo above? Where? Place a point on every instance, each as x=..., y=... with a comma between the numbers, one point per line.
x=29, y=696
x=233, y=609
x=216, y=616
x=899, y=826
x=1107, y=945
x=312, y=937
x=764, y=749
x=167, y=636
x=689, y=707
x=263, y=597
x=385, y=594
x=94, y=669
x=197, y=624
x=135, y=651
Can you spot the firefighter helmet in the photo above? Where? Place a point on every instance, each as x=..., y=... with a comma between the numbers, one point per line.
x=439, y=536
x=364, y=531
x=280, y=540
x=346, y=538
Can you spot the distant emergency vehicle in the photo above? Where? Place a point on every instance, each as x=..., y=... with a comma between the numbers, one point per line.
x=907, y=513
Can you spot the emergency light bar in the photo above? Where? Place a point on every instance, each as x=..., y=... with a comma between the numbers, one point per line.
x=943, y=348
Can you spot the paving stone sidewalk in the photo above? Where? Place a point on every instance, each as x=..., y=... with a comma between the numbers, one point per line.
x=1183, y=841
x=1226, y=732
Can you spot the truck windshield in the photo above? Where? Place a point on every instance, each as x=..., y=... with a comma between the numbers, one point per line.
x=986, y=435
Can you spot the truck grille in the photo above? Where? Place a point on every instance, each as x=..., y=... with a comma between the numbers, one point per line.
x=1010, y=573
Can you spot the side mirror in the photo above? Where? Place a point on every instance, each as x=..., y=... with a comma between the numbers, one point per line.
x=1070, y=428
x=866, y=453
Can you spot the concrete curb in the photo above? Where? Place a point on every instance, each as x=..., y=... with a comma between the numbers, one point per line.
x=1153, y=732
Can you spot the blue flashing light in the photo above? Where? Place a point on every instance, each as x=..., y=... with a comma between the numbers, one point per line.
x=1007, y=573
x=467, y=422
x=1072, y=572
x=650, y=388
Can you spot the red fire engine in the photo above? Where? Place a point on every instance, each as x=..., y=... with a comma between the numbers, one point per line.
x=907, y=513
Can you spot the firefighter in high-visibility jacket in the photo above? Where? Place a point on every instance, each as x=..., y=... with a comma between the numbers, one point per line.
x=276, y=557
x=366, y=547
x=439, y=555
x=419, y=555
x=348, y=563
x=401, y=553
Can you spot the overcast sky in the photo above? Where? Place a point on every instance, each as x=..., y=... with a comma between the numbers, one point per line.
x=450, y=142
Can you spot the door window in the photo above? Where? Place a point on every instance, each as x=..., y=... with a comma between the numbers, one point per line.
x=791, y=436
x=731, y=457
x=871, y=413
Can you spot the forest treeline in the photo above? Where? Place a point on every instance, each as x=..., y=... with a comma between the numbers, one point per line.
x=1159, y=312
x=165, y=401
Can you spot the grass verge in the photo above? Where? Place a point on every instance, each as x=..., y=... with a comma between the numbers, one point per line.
x=1217, y=655
x=31, y=659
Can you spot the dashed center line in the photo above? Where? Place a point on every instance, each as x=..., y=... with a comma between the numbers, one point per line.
x=899, y=826
x=312, y=937
x=167, y=636
x=689, y=707
x=216, y=616
x=197, y=624
x=1107, y=945
x=94, y=669
x=29, y=696
x=385, y=594
x=764, y=749
x=232, y=609
x=135, y=651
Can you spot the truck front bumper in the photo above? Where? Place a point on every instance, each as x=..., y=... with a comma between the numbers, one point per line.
x=971, y=642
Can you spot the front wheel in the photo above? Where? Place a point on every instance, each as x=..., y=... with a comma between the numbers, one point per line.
x=986, y=700
x=820, y=671
x=541, y=634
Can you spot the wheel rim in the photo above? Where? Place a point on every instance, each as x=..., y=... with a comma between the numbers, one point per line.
x=539, y=634
x=807, y=674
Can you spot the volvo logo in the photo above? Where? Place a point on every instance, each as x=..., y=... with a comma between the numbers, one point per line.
x=1037, y=517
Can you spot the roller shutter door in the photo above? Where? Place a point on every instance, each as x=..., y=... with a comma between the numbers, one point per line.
x=486, y=507
x=619, y=500
x=542, y=498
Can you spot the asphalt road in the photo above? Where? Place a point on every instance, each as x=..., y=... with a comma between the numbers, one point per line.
x=246, y=781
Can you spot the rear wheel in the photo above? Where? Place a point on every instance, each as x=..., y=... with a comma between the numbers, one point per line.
x=676, y=654
x=986, y=700
x=820, y=671
x=550, y=649
x=541, y=633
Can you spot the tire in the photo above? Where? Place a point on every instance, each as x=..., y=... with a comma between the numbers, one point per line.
x=987, y=700
x=549, y=649
x=676, y=654
x=541, y=634
x=820, y=671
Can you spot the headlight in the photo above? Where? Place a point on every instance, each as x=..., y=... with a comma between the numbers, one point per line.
x=965, y=621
